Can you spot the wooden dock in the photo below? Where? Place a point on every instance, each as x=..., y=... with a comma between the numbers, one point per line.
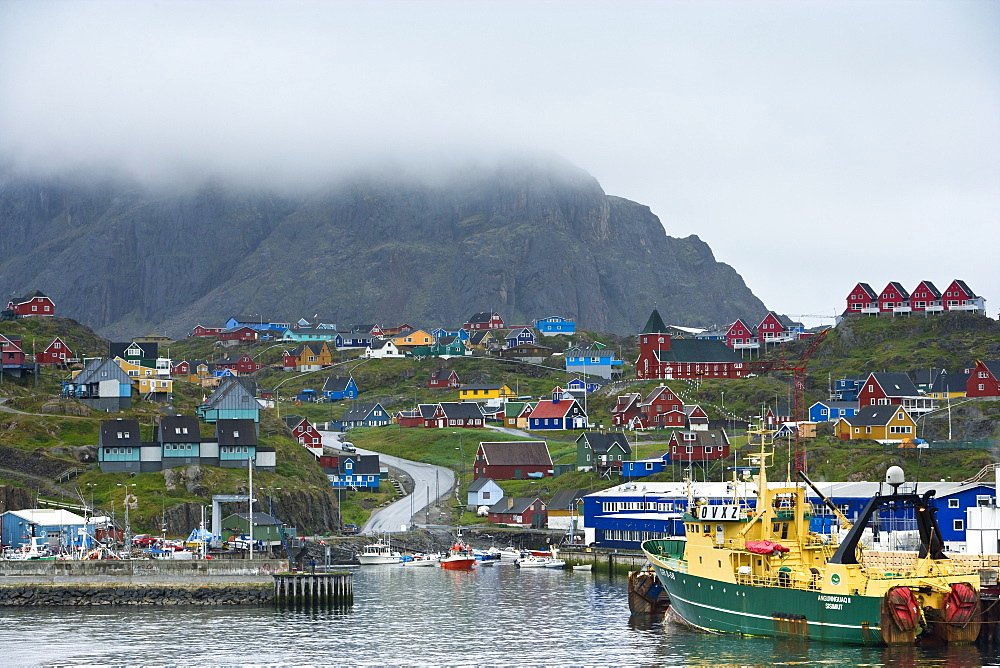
x=316, y=590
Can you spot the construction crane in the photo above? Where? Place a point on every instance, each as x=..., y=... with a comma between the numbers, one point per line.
x=798, y=370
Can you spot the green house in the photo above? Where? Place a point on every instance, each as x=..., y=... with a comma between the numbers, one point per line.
x=598, y=452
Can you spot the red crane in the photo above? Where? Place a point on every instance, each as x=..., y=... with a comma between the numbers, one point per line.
x=798, y=370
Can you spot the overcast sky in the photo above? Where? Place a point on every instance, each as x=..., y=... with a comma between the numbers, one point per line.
x=812, y=145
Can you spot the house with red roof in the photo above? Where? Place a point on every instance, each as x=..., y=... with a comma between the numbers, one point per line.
x=626, y=409
x=557, y=414
x=512, y=460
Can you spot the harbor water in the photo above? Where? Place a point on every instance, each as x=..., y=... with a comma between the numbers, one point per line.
x=496, y=615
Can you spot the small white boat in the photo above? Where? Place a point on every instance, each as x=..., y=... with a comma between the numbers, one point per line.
x=423, y=560
x=531, y=561
x=556, y=563
x=379, y=553
x=584, y=567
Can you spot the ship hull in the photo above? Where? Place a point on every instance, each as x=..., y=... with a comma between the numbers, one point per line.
x=725, y=607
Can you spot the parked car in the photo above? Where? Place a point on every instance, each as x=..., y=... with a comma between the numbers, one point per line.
x=348, y=447
x=350, y=529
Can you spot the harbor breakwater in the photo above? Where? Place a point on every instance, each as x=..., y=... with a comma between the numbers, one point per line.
x=118, y=594
x=140, y=571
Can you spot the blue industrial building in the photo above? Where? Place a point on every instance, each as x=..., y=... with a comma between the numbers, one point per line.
x=60, y=529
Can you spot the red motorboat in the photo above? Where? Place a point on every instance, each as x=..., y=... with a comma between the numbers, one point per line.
x=460, y=558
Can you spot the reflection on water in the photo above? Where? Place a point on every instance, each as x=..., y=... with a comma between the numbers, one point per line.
x=404, y=616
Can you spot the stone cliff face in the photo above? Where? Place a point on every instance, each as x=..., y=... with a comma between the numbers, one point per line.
x=525, y=240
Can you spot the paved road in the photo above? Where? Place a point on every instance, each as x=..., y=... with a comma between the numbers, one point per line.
x=428, y=480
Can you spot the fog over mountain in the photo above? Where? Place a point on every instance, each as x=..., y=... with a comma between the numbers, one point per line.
x=528, y=238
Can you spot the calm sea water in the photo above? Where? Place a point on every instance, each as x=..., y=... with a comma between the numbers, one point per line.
x=413, y=616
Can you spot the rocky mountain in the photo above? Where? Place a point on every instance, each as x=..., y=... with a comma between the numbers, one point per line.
x=526, y=239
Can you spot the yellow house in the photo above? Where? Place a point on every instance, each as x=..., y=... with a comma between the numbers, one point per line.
x=485, y=340
x=312, y=356
x=887, y=424
x=415, y=338
x=484, y=392
x=516, y=414
x=146, y=379
x=948, y=386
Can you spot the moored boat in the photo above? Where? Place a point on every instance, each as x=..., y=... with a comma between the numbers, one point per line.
x=531, y=561
x=459, y=558
x=752, y=566
x=423, y=560
x=379, y=553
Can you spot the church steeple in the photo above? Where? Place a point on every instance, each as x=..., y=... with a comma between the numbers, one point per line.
x=655, y=324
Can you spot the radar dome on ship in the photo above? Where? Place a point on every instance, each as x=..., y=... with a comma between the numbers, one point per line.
x=894, y=476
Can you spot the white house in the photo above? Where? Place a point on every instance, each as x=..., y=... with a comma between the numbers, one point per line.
x=483, y=492
x=382, y=348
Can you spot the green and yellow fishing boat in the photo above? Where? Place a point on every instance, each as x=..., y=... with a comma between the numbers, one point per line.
x=753, y=567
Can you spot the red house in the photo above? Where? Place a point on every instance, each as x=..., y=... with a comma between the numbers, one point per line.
x=484, y=320
x=303, y=431
x=959, y=297
x=883, y=389
x=926, y=298
x=703, y=445
x=57, y=352
x=512, y=460
x=239, y=364
x=984, y=381
x=201, y=330
x=894, y=299
x=862, y=299
x=444, y=378
x=521, y=511
x=10, y=350
x=33, y=303
x=771, y=329
x=695, y=417
x=662, y=408
x=740, y=336
x=626, y=409
x=237, y=335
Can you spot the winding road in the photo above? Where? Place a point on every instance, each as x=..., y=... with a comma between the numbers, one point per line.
x=428, y=482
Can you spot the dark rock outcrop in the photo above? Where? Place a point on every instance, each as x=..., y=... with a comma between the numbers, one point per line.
x=520, y=238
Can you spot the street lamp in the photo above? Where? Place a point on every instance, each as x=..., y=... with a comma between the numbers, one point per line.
x=461, y=455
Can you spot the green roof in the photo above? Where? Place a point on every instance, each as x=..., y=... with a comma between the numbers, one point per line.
x=698, y=351
x=655, y=324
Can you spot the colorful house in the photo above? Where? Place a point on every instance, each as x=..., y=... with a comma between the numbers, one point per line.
x=516, y=414
x=483, y=392
x=443, y=378
x=602, y=451
x=411, y=339
x=832, y=411
x=445, y=347
x=305, y=433
x=232, y=400
x=179, y=438
x=119, y=446
x=862, y=300
x=698, y=445
x=518, y=336
x=364, y=415
x=352, y=340
x=484, y=320
x=532, y=353
x=627, y=409
x=33, y=303
x=56, y=352
x=382, y=349
x=984, y=381
x=308, y=357
x=959, y=297
x=593, y=359
x=883, y=423
x=201, y=330
x=357, y=471
x=894, y=299
x=337, y=388
x=102, y=385
x=557, y=414
x=463, y=414
x=512, y=460
x=239, y=335
x=695, y=417
x=661, y=408
x=949, y=386
x=739, y=336
x=896, y=389
x=519, y=511
x=485, y=340
x=555, y=325
x=640, y=468
x=238, y=364
x=926, y=298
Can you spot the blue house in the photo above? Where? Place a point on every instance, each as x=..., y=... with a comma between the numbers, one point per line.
x=555, y=325
x=831, y=411
x=579, y=385
x=337, y=388
x=119, y=446
x=640, y=468
x=356, y=471
x=349, y=340
x=848, y=387
x=230, y=401
x=55, y=529
x=593, y=359
x=306, y=396
x=363, y=415
x=518, y=336
x=256, y=322
x=308, y=334
x=179, y=437
x=441, y=332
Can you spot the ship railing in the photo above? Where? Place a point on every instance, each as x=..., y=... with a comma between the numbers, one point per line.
x=784, y=580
